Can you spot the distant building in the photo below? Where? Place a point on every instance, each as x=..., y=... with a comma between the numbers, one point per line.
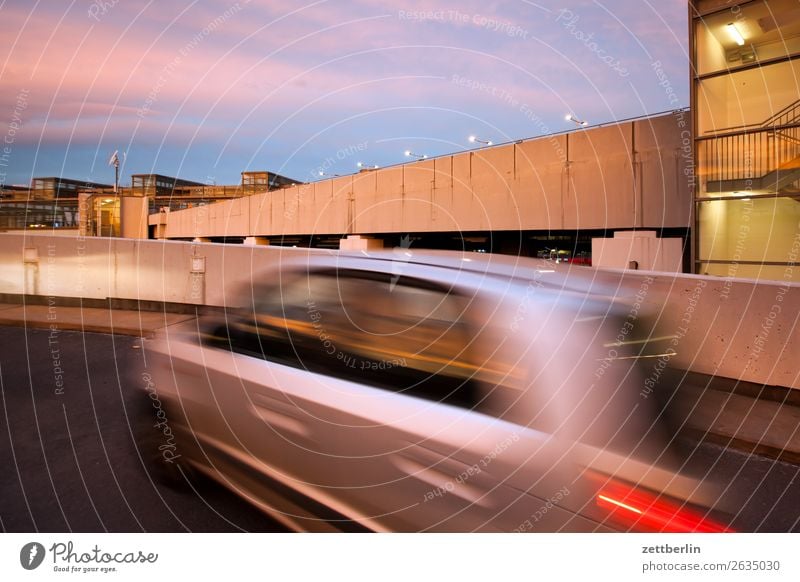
x=48, y=203
x=161, y=186
x=126, y=215
x=8, y=191
x=49, y=188
x=95, y=209
x=254, y=182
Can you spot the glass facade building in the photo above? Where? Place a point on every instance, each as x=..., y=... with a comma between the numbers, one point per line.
x=745, y=100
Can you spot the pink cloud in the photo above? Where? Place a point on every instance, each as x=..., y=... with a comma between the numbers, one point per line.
x=167, y=69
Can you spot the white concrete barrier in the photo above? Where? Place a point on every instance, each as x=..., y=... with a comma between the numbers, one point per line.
x=735, y=328
x=642, y=247
x=100, y=268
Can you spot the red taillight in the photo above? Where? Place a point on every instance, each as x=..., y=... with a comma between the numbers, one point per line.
x=642, y=510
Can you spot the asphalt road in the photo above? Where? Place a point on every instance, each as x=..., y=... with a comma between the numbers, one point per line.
x=70, y=463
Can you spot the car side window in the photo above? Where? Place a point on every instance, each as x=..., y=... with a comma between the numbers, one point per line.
x=395, y=333
x=260, y=330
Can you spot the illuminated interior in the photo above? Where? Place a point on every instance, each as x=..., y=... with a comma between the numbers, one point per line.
x=105, y=220
x=746, y=104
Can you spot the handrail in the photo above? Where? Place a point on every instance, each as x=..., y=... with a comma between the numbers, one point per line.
x=751, y=155
x=769, y=122
x=758, y=129
x=777, y=115
x=787, y=137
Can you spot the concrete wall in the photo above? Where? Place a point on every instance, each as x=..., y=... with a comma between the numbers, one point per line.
x=728, y=327
x=628, y=175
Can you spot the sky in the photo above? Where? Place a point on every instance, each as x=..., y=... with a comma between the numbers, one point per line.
x=206, y=89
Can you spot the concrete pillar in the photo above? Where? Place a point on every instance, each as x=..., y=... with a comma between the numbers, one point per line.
x=256, y=241
x=357, y=242
x=84, y=213
x=159, y=220
x=133, y=217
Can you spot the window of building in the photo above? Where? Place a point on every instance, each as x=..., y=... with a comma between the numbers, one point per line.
x=750, y=238
x=753, y=33
x=752, y=99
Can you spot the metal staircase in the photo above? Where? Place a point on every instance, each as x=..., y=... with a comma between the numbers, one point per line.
x=763, y=158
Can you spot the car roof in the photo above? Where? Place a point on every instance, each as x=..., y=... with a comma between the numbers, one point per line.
x=565, y=277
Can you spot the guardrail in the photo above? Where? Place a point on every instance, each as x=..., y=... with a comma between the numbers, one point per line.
x=748, y=155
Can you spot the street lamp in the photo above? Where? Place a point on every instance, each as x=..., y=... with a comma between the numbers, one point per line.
x=474, y=139
x=114, y=161
x=575, y=120
x=325, y=174
x=410, y=154
x=363, y=166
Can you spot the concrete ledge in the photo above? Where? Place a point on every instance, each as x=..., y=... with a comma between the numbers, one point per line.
x=750, y=423
x=11, y=299
x=758, y=422
x=61, y=318
x=779, y=394
x=745, y=446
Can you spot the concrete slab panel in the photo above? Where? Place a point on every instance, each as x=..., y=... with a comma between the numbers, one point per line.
x=601, y=187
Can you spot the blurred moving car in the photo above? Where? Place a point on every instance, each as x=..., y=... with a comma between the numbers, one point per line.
x=430, y=391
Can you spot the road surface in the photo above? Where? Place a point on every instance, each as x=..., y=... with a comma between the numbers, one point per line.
x=70, y=463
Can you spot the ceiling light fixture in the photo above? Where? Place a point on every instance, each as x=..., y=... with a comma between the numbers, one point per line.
x=735, y=34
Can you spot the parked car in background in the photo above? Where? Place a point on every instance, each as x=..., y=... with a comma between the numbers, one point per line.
x=428, y=391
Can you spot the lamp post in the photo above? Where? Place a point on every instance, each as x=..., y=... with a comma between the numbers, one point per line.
x=410, y=154
x=575, y=120
x=475, y=139
x=114, y=161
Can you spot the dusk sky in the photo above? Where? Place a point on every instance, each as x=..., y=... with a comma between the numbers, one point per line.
x=204, y=90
